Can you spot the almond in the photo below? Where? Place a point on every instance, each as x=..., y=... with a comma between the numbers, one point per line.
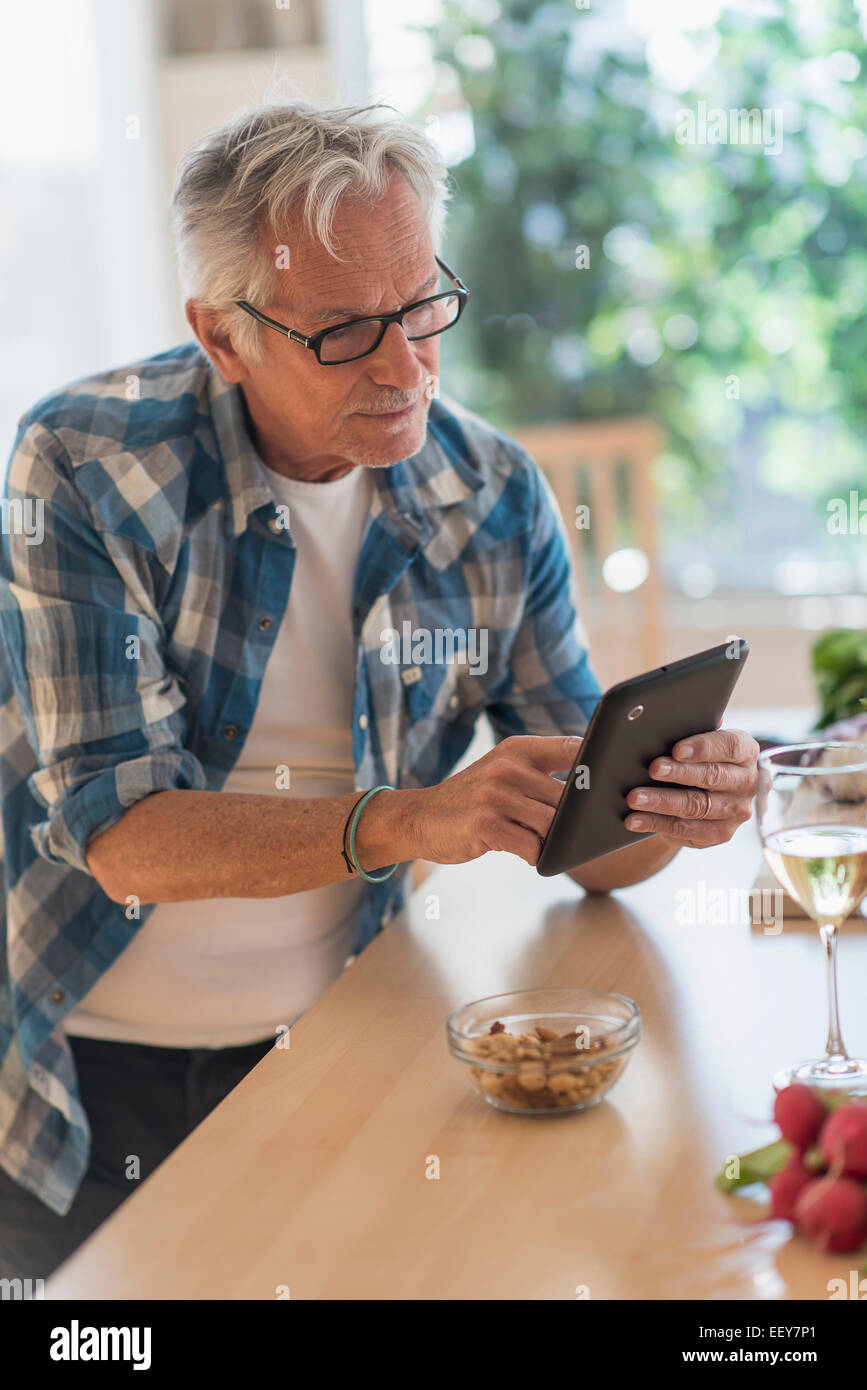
x=546, y=1034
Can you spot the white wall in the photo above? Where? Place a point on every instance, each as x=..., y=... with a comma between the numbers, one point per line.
x=93, y=118
x=82, y=254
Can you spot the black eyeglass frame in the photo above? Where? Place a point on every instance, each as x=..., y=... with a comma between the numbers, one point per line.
x=314, y=342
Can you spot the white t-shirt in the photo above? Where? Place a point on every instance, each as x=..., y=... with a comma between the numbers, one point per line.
x=222, y=972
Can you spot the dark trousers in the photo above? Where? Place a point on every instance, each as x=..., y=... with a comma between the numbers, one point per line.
x=140, y=1101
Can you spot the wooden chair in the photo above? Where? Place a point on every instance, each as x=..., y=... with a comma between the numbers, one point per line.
x=606, y=466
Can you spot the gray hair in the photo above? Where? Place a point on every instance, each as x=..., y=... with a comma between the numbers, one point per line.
x=248, y=173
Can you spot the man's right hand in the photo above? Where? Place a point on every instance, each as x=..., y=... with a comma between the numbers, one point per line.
x=505, y=801
x=179, y=846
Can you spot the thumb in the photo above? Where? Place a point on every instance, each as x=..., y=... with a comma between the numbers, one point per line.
x=552, y=754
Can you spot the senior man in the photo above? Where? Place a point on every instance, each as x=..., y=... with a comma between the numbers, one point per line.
x=196, y=686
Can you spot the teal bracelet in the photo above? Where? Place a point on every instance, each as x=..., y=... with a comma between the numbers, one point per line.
x=371, y=878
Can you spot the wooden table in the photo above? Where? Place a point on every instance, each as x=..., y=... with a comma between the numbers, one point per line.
x=313, y=1174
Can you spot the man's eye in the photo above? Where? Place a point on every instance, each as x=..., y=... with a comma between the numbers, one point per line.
x=339, y=336
x=352, y=341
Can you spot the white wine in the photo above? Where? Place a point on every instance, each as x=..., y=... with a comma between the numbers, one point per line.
x=812, y=819
x=824, y=867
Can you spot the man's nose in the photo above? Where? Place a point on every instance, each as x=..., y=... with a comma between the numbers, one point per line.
x=395, y=362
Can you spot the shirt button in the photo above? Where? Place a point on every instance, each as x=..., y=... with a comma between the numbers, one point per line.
x=264, y=624
x=454, y=701
x=275, y=525
x=362, y=721
x=58, y=996
x=229, y=731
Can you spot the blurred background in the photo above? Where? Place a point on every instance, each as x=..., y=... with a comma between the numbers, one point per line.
x=669, y=314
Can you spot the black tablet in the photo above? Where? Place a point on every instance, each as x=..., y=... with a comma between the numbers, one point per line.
x=635, y=722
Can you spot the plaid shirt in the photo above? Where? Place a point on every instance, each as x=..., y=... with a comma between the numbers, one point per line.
x=160, y=524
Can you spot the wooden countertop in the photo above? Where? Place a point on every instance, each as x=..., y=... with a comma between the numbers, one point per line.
x=312, y=1174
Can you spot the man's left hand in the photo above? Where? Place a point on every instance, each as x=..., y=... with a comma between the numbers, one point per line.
x=713, y=780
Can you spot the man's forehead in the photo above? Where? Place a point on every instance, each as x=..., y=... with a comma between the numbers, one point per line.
x=384, y=247
x=331, y=289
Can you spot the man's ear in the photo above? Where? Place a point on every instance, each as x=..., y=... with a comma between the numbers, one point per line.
x=216, y=341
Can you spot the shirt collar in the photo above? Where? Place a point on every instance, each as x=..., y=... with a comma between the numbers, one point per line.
x=246, y=482
x=441, y=474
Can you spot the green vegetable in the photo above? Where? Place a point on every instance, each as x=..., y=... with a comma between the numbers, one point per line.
x=814, y=1159
x=839, y=659
x=762, y=1164
x=757, y=1166
x=834, y=1100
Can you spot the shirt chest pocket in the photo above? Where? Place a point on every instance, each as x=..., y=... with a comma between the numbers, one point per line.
x=439, y=711
x=433, y=691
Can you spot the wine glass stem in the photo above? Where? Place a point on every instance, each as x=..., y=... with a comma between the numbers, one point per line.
x=835, y=1046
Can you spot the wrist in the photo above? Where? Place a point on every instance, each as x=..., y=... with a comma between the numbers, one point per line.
x=385, y=832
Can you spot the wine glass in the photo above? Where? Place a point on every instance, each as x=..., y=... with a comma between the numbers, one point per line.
x=811, y=808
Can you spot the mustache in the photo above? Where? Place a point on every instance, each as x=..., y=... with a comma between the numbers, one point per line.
x=391, y=401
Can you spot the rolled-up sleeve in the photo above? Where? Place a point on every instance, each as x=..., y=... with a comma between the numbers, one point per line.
x=553, y=689
x=84, y=641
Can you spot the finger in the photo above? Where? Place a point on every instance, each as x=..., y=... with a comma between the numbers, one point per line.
x=547, y=753
x=721, y=746
x=696, y=804
x=723, y=777
x=531, y=814
x=697, y=834
x=537, y=786
x=514, y=839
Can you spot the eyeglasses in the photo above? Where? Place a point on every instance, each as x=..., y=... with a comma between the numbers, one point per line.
x=346, y=342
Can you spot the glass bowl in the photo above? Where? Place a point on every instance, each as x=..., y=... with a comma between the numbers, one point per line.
x=524, y=1071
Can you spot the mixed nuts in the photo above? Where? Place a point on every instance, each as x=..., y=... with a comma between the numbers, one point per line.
x=542, y=1073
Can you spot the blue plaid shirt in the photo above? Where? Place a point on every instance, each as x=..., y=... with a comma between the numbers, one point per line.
x=159, y=523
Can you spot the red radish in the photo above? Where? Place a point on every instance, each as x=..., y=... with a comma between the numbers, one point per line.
x=843, y=1140
x=786, y=1187
x=800, y=1115
x=832, y=1213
